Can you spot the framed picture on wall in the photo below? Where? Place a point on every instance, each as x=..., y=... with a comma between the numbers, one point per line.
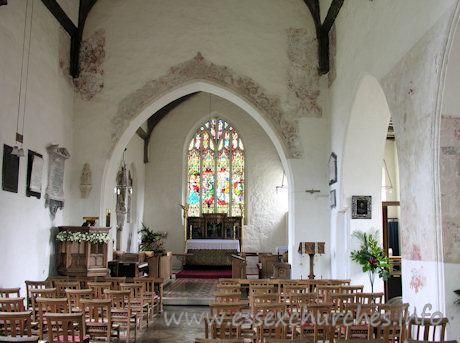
x=34, y=174
x=361, y=207
x=332, y=169
x=332, y=199
x=10, y=170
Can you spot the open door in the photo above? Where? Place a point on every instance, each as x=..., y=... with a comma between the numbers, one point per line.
x=392, y=247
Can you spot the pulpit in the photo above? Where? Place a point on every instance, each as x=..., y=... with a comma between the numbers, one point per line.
x=82, y=258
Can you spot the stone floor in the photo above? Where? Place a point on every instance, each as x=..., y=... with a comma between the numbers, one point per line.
x=165, y=330
x=190, y=292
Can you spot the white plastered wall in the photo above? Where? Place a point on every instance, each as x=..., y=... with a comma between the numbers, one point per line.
x=166, y=179
x=450, y=183
x=27, y=236
x=411, y=79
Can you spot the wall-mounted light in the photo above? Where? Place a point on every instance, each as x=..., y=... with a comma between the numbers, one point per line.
x=283, y=186
x=390, y=187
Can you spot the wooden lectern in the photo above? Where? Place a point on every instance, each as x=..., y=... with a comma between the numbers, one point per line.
x=311, y=248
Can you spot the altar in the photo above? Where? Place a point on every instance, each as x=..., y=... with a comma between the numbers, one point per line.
x=210, y=252
x=212, y=244
x=212, y=239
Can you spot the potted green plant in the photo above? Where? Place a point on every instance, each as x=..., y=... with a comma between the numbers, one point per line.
x=371, y=257
x=159, y=261
x=151, y=241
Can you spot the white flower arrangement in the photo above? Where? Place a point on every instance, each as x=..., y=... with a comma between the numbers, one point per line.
x=78, y=237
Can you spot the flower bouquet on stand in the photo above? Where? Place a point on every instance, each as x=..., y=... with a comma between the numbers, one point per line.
x=371, y=257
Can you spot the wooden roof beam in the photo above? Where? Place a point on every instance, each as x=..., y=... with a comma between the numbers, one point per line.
x=75, y=33
x=322, y=29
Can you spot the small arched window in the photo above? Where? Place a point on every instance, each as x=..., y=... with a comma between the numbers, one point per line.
x=215, y=170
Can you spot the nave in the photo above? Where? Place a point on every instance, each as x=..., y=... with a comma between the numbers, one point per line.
x=259, y=310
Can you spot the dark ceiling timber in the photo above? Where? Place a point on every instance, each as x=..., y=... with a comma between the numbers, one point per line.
x=322, y=29
x=155, y=119
x=76, y=33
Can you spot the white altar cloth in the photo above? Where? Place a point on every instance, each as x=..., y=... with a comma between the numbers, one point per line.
x=218, y=244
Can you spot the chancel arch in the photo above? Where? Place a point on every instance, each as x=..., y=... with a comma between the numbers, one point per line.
x=250, y=111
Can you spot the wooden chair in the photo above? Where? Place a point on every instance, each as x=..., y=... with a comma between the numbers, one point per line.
x=219, y=340
x=265, y=298
x=16, y=323
x=345, y=289
x=99, y=287
x=361, y=317
x=150, y=295
x=227, y=297
x=23, y=339
x=369, y=298
x=266, y=321
x=232, y=288
x=225, y=309
x=360, y=340
x=10, y=292
x=66, y=328
x=98, y=321
x=122, y=313
x=115, y=282
x=34, y=285
x=338, y=282
x=158, y=286
x=223, y=329
x=397, y=315
x=61, y=286
x=218, y=310
x=54, y=279
x=49, y=305
x=340, y=300
x=226, y=281
x=427, y=329
x=12, y=304
x=286, y=290
x=83, y=280
x=259, y=290
x=138, y=303
x=313, y=284
x=325, y=291
x=43, y=293
x=317, y=325
x=298, y=302
x=263, y=282
x=74, y=297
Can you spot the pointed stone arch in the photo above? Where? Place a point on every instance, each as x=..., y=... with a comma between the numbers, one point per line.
x=200, y=69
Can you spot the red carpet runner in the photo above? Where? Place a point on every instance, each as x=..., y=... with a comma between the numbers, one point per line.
x=204, y=274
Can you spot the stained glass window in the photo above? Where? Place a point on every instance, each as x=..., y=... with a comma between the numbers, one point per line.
x=215, y=169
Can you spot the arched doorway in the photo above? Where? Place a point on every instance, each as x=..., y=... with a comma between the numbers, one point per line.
x=362, y=171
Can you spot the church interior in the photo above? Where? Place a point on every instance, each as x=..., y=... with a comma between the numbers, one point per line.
x=180, y=145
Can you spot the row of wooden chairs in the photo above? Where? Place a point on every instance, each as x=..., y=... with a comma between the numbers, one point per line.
x=373, y=324
x=61, y=283
x=129, y=303
x=281, y=298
